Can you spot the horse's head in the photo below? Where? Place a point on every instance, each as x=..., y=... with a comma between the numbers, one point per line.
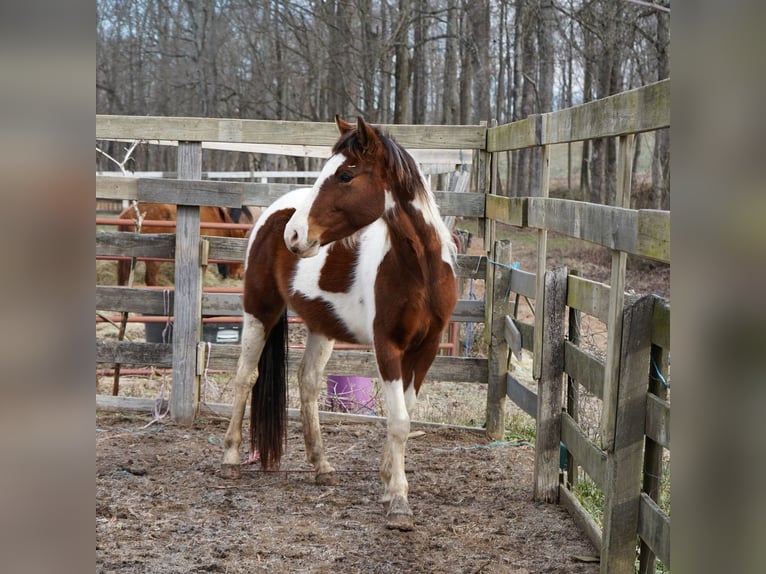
x=351, y=191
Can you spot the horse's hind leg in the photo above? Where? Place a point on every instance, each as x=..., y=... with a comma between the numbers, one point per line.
x=253, y=340
x=152, y=273
x=318, y=351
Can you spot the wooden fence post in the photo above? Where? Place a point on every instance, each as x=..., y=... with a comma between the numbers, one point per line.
x=187, y=309
x=573, y=388
x=550, y=386
x=542, y=255
x=616, y=296
x=653, y=451
x=622, y=484
x=497, y=307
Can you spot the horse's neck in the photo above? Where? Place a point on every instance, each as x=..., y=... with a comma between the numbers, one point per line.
x=414, y=234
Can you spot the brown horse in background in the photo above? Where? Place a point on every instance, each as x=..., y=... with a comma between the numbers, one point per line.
x=167, y=212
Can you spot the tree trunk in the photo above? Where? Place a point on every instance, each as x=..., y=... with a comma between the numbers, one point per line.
x=478, y=16
x=402, y=68
x=419, y=77
x=449, y=113
x=661, y=158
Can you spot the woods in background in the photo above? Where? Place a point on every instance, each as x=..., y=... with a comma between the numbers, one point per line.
x=391, y=61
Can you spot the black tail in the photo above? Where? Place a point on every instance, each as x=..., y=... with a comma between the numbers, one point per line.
x=268, y=405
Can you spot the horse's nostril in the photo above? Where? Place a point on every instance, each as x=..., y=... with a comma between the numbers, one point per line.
x=294, y=238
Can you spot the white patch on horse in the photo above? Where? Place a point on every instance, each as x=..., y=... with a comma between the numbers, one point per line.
x=298, y=227
x=430, y=210
x=293, y=199
x=390, y=201
x=356, y=308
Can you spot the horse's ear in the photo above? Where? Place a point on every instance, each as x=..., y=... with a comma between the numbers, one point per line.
x=365, y=133
x=343, y=126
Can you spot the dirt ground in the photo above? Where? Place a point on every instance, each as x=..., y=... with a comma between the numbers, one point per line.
x=162, y=506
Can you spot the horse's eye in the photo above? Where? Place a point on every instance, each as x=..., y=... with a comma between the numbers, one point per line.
x=345, y=177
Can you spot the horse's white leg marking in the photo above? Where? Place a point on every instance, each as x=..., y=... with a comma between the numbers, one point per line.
x=310, y=371
x=253, y=340
x=410, y=397
x=395, y=485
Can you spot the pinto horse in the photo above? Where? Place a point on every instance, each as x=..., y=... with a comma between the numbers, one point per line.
x=363, y=257
x=167, y=212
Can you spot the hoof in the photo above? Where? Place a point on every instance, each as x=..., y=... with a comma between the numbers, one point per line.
x=398, y=514
x=401, y=522
x=327, y=479
x=230, y=471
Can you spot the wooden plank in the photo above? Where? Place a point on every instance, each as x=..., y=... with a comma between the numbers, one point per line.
x=471, y=266
x=661, y=323
x=469, y=311
x=264, y=194
x=658, y=420
x=230, y=305
x=114, y=243
x=512, y=336
x=362, y=363
x=527, y=331
x=276, y=132
x=642, y=109
x=524, y=397
x=187, y=327
x=587, y=454
x=134, y=404
x=214, y=130
x=584, y=368
x=134, y=353
x=516, y=135
x=654, y=528
x=590, y=297
x=653, y=234
x=111, y=403
x=509, y=210
x=134, y=300
x=550, y=386
x=114, y=187
x=236, y=194
x=524, y=283
x=624, y=462
x=228, y=248
x=191, y=192
x=582, y=517
x=612, y=227
x=221, y=304
x=496, y=308
x=460, y=204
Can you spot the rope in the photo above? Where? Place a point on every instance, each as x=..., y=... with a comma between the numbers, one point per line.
x=469, y=327
x=157, y=413
x=659, y=374
x=166, y=308
x=206, y=379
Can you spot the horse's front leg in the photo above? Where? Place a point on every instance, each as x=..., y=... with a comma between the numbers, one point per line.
x=253, y=339
x=310, y=377
x=392, y=471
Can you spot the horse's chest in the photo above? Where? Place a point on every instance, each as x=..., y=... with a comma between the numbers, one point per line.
x=335, y=293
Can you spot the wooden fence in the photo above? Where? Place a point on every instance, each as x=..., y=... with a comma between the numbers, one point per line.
x=635, y=412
